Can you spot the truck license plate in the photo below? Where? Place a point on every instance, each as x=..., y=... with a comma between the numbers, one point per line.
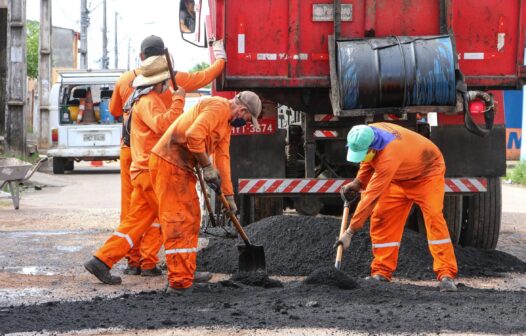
x=94, y=137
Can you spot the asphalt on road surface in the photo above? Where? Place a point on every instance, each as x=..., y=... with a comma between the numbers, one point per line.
x=44, y=288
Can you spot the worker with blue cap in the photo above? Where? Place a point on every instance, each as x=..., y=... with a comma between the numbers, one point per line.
x=398, y=168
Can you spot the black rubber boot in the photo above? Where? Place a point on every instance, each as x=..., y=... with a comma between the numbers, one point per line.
x=151, y=272
x=102, y=272
x=132, y=270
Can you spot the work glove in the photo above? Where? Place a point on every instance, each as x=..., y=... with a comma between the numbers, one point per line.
x=179, y=92
x=219, y=50
x=211, y=177
x=231, y=203
x=345, y=240
x=350, y=191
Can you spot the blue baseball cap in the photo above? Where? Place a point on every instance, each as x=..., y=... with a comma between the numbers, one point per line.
x=359, y=139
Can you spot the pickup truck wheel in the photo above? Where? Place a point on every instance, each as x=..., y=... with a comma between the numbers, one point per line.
x=69, y=165
x=58, y=165
x=482, y=216
x=452, y=214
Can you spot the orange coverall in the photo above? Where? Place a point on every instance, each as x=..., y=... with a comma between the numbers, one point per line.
x=150, y=120
x=144, y=253
x=410, y=169
x=148, y=247
x=204, y=128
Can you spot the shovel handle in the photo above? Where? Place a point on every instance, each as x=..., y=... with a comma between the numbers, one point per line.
x=205, y=195
x=234, y=219
x=170, y=67
x=343, y=227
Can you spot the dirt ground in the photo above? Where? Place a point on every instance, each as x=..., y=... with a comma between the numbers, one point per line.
x=44, y=288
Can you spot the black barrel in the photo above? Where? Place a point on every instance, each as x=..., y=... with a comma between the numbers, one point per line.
x=396, y=72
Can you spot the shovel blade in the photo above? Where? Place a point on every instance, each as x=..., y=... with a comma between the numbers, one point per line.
x=251, y=258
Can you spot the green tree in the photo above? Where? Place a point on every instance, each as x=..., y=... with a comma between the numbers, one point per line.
x=199, y=66
x=33, y=33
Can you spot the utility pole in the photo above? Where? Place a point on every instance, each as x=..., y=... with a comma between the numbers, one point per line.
x=116, y=44
x=84, y=23
x=105, y=60
x=44, y=73
x=15, y=133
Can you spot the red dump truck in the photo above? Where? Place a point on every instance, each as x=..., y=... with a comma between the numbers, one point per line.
x=434, y=66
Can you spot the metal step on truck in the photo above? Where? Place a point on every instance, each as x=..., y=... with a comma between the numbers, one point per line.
x=438, y=67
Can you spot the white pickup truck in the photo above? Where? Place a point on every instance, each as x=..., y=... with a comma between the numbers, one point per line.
x=81, y=127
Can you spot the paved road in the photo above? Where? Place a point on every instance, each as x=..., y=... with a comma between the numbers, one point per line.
x=43, y=245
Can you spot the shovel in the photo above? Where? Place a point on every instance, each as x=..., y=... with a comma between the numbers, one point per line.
x=251, y=257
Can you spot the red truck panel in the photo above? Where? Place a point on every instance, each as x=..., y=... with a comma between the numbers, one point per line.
x=276, y=43
x=487, y=36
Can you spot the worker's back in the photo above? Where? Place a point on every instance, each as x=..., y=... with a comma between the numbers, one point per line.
x=416, y=155
x=200, y=129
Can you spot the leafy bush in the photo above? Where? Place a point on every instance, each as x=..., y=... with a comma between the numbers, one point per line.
x=518, y=174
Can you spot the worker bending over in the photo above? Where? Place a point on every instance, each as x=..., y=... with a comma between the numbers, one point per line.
x=200, y=136
x=398, y=168
x=151, y=119
x=142, y=258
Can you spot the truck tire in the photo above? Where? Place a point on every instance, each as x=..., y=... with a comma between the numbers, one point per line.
x=58, y=165
x=482, y=216
x=452, y=214
x=308, y=205
x=69, y=165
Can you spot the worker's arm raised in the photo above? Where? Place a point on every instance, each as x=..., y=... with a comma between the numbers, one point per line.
x=192, y=81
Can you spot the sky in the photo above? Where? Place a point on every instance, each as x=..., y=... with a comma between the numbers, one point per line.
x=136, y=20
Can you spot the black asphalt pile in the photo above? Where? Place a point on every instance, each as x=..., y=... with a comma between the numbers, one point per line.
x=375, y=308
x=258, y=279
x=299, y=245
x=330, y=276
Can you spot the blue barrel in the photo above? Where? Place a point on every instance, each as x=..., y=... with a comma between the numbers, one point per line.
x=396, y=72
x=104, y=109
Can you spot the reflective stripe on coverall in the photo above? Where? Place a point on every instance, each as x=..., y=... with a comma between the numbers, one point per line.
x=410, y=169
x=151, y=119
x=204, y=128
x=122, y=91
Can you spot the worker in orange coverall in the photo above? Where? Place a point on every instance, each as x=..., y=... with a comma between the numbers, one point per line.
x=199, y=135
x=142, y=258
x=150, y=120
x=398, y=168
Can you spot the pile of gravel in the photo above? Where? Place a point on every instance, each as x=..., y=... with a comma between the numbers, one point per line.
x=330, y=276
x=258, y=279
x=299, y=245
